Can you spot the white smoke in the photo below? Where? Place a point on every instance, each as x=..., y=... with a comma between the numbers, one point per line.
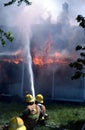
x=25, y=15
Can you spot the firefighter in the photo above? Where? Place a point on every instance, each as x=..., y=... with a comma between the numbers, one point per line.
x=15, y=123
x=31, y=114
x=39, y=100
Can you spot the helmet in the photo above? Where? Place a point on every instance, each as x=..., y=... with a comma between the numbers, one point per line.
x=29, y=98
x=16, y=123
x=39, y=98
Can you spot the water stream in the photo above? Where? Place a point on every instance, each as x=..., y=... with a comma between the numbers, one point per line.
x=30, y=68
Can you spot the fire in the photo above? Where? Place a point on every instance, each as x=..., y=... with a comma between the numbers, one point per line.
x=38, y=61
x=57, y=54
x=46, y=56
x=15, y=57
x=49, y=60
x=16, y=61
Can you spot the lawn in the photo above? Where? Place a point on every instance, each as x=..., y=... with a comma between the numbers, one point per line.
x=67, y=115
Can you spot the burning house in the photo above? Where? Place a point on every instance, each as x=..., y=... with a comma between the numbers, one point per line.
x=50, y=65
x=52, y=49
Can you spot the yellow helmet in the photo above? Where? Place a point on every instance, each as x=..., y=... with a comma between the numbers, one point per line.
x=39, y=98
x=16, y=123
x=29, y=98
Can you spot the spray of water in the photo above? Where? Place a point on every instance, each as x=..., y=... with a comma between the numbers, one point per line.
x=30, y=67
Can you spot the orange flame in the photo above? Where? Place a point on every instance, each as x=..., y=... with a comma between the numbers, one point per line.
x=50, y=60
x=45, y=57
x=16, y=57
x=16, y=61
x=38, y=61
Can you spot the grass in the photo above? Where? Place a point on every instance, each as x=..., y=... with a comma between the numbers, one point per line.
x=60, y=115
x=9, y=110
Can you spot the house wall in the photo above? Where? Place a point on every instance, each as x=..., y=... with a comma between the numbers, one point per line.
x=75, y=93
x=15, y=89
x=58, y=85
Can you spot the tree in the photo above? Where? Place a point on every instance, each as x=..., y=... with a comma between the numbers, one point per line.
x=18, y=1
x=5, y=35
x=8, y=35
x=79, y=64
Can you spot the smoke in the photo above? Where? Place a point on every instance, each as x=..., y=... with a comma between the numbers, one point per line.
x=65, y=34
x=24, y=15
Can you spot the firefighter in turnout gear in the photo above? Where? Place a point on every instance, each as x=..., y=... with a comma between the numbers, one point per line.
x=39, y=100
x=31, y=114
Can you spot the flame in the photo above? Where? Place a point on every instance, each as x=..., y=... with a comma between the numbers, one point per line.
x=15, y=57
x=38, y=61
x=57, y=54
x=16, y=61
x=50, y=60
x=43, y=59
x=46, y=56
x=40, y=57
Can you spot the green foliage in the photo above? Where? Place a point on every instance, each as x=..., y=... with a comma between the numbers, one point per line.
x=78, y=47
x=5, y=35
x=79, y=64
x=81, y=21
x=18, y=1
x=77, y=75
x=76, y=65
